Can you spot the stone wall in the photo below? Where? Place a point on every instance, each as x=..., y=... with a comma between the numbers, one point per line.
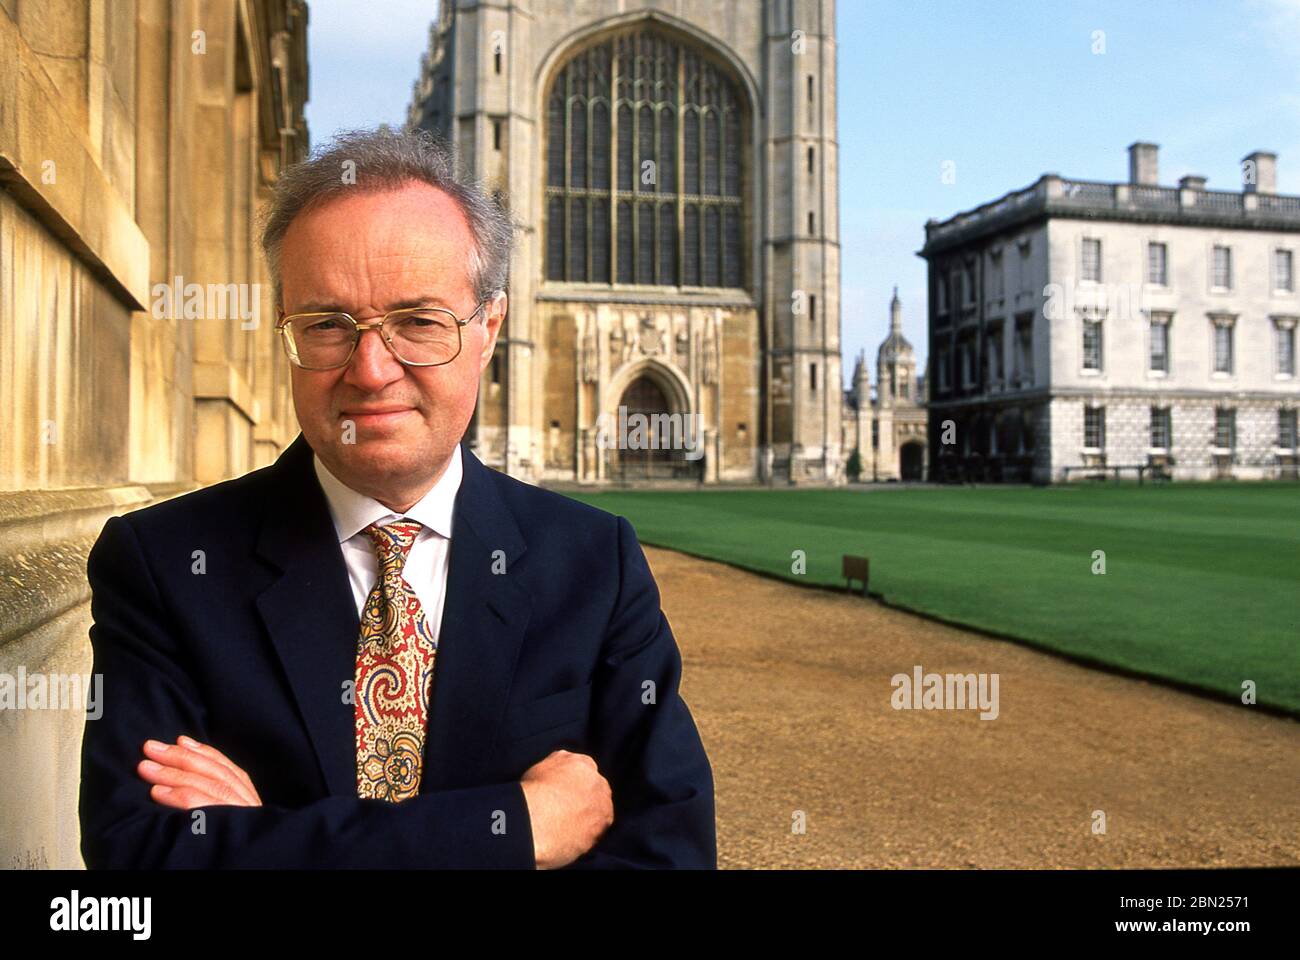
x=138, y=142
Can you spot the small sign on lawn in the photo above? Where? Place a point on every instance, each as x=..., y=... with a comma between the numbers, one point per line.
x=856, y=568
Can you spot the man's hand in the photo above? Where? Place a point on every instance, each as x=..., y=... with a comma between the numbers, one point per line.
x=569, y=805
x=190, y=774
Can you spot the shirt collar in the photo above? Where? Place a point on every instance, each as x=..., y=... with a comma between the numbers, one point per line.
x=352, y=512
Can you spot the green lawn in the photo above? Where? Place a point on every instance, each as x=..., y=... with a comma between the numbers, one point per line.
x=1202, y=581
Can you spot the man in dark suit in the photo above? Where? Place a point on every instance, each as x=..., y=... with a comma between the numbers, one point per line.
x=377, y=652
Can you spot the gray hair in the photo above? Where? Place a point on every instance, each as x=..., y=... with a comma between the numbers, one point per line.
x=384, y=158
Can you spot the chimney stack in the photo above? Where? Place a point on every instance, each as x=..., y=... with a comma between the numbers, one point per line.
x=1259, y=172
x=1143, y=167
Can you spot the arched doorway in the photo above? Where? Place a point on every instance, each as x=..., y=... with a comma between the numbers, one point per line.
x=911, y=459
x=651, y=440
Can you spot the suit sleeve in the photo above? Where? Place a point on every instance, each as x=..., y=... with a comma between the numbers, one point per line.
x=149, y=691
x=646, y=742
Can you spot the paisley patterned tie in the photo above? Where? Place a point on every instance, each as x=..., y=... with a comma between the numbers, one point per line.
x=395, y=656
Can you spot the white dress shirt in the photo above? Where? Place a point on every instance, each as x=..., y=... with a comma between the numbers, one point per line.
x=426, y=561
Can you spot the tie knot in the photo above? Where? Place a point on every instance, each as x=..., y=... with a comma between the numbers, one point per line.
x=393, y=540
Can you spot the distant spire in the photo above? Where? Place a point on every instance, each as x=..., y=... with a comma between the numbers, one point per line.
x=895, y=313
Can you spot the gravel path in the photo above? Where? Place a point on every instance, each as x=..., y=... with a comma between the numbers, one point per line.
x=791, y=689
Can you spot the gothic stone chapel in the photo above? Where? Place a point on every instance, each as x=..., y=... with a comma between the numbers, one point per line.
x=673, y=172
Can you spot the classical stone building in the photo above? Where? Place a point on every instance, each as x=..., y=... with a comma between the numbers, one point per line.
x=1077, y=325
x=138, y=140
x=887, y=425
x=672, y=168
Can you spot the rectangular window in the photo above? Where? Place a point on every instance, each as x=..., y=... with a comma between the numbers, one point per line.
x=1225, y=428
x=997, y=282
x=1222, y=272
x=941, y=294
x=1160, y=428
x=1094, y=428
x=1090, y=269
x=1025, y=348
x=1159, y=353
x=993, y=353
x=1092, y=344
x=812, y=376
x=1223, y=348
x=1283, y=271
x=1158, y=264
x=1285, y=335
x=1286, y=429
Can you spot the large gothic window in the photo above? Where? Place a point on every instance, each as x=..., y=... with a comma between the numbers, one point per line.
x=643, y=167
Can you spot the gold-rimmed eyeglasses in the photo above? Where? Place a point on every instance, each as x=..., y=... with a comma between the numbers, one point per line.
x=416, y=336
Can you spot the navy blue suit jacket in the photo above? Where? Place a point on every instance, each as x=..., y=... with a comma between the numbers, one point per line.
x=252, y=656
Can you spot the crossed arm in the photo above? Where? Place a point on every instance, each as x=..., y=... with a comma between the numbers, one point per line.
x=139, y=812
x=150, y=692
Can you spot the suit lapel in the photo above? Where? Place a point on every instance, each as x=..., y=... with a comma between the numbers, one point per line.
x=484, y=617
x=310, y=614
x=313, y=624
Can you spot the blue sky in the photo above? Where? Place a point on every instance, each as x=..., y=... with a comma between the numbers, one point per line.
x=1004, y=89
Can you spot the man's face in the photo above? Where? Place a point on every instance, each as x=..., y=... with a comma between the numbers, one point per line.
x=366, y=254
